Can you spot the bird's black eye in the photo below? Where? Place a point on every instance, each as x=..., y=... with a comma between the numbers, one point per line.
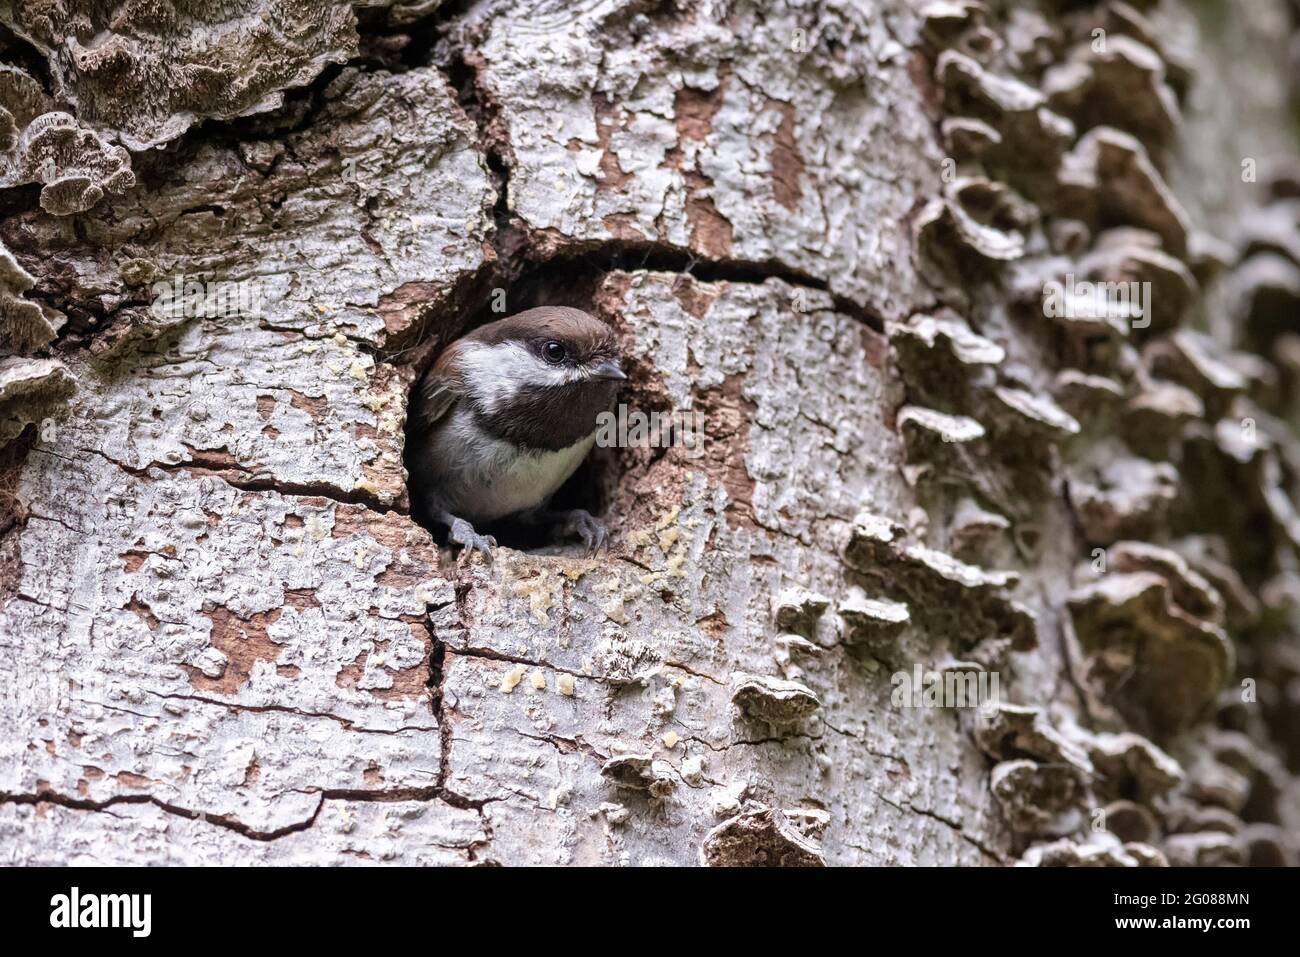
x=554, y=352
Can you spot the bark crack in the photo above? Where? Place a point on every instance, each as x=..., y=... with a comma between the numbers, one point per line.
x=283, y=709
x=219, y=820
x=358, y=795
x=254, y=482
x=935, y=816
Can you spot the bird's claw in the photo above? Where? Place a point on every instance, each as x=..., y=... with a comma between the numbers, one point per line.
x=582, y=525
x=462, y=533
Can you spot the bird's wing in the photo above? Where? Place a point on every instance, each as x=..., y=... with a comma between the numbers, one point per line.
x=441, y=387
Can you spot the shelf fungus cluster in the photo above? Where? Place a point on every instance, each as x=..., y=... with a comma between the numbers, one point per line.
x=147, y=73
x=763, y=836
x=1072, y=796
x=1176, y=370
x=969, y=605
x=1153, y=631
x=29, y=384
x=639, y=772
x=97, y=85
x=1117, y=799
x=783, y=704
x=775, y=702
x=75, y=166
x=967, y=411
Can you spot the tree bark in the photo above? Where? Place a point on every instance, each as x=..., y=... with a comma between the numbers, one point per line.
x=848, y=237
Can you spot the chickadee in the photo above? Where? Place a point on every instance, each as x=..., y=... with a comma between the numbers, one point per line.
x=505, y=416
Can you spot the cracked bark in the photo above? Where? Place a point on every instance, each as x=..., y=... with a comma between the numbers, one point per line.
x=223, y=634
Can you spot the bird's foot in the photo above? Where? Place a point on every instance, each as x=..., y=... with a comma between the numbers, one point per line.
x=581, y=524
x=462, y=533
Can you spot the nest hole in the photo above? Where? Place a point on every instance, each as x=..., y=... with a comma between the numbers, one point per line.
x=592, y=487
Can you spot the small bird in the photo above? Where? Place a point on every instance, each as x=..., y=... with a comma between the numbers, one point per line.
x=505, y=415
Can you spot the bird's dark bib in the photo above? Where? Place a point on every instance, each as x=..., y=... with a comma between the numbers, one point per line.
x=549, y=418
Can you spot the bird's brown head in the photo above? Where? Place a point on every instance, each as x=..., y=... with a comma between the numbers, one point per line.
x=542, y=377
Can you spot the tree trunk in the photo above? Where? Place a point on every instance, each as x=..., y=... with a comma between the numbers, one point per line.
x=847, y=239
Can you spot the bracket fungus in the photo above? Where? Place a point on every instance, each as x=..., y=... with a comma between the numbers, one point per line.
x=944, y=21
x=1004, y=731
x=1122, y=81
x=1203, y=849
x=1090, y=399
x=1109, y=177
x=24, y=324
x=1161, y=663
x=871, y=620
x=1192, y=360
x=39, y=144
x=942, y=359
x=1038, y=798
x=945, y=226
x=639, y=772
x=1130, y=822
x=27, y=388
x=965, y=601
x=798, y=610
x=148, y=85
x=925, y=430
x=1104, y=850
x=1123, y=497
x=1028, y=128
x=1127, y=255
x=975, y=531
x=968, y=138
x=1158, y=414
x=940, y=447
x=774, y=701
x=1033, y=415
x=760, y=837
x=790, y=651
x=1129, y=764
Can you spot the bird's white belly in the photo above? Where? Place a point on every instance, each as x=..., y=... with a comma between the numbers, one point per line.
x=492, y=479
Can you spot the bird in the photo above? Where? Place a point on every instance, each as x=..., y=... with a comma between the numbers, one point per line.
x=505, y=415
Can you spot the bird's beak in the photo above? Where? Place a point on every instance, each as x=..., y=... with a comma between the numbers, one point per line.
x=608, y=369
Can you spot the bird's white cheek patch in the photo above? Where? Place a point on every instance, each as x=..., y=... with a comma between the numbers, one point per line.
x=498, y=372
